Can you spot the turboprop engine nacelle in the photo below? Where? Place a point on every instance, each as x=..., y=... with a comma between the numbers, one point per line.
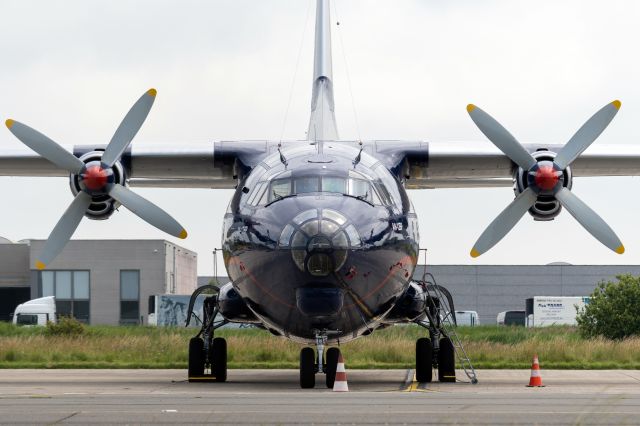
x=546, y=207
x=102, y=205
x=410, y=306
x=232, y=307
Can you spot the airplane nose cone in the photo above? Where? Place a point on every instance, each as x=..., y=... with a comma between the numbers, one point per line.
x=319, y=240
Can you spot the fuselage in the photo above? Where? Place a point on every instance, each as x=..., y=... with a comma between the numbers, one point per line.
x=320, y=239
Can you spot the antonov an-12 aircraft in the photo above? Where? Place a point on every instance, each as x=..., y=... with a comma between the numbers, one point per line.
x=320, y=239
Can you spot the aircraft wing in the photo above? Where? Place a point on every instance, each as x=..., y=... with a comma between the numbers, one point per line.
x=426, y=164
x=205, y=165
x=481, y=164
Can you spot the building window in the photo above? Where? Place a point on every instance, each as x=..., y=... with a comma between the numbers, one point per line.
x=130, y=297
x=71, y=289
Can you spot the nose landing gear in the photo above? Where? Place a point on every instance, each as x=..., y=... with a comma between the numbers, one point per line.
x=310, y=364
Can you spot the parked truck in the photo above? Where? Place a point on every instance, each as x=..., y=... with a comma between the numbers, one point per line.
x=543, y=311
x=36, y=312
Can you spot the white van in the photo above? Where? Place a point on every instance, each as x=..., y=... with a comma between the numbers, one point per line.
x=469, y=318
x=36, y=312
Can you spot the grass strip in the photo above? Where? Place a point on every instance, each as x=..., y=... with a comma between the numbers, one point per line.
x=159, y=347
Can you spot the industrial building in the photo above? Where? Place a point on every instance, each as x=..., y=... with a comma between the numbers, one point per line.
x=490, y=289
x=96, y=281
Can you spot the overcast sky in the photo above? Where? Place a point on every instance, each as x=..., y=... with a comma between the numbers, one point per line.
x=226, y=70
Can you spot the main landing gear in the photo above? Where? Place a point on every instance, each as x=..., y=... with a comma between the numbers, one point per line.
x=436, y=351
x=440, y=349
x=438, y=354
x=207, y=354
x=312, y=362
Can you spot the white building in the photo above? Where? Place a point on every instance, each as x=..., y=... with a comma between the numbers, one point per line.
x=96, y=281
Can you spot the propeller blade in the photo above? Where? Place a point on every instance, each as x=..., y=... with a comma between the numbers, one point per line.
x=504, y=222
x=45, y=146
x=64, y=229
x=147, y=211
x=590, y=220
x=129, y=127
x=586, y=134
x=501, y=137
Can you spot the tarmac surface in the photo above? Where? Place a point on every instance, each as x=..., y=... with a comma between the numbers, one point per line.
x=274, y=397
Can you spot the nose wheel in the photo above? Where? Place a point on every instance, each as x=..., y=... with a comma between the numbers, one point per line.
x=332, y=365
x=310, y=364
x=307, y=368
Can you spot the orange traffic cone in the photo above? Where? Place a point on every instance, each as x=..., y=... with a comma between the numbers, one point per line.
x=536, y=378
x=340, y=384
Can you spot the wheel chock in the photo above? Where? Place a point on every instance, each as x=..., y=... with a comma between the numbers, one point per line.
x=205, y=379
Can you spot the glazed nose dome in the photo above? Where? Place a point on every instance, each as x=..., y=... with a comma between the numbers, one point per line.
x=319, y=240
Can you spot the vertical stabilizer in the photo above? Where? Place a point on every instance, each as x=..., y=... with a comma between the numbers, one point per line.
x=322, y=124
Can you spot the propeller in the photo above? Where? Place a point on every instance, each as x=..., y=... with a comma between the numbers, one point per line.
x=96, y=178
x=545, y=178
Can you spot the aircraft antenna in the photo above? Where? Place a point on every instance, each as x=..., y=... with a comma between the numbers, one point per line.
x=358, y=157
x=283, y=160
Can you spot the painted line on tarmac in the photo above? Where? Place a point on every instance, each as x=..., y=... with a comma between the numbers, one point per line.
x=412, y=385
x=408, y=380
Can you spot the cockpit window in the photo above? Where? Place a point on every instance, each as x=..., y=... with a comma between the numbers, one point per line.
x=306, y=184
x=280, y=188
x=333, y=184
x=355, y=185
x=384, y=194
x=359, y=188
x=259, y=195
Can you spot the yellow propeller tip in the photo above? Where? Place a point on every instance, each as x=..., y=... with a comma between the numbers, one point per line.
x=470, y=107
x=9, y=123
x=152, y=92
x=183, y=234
x=474, y=252
x=617, y=104
x=620, y=249
x=40, y=265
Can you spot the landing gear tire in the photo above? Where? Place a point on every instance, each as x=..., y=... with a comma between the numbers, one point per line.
x=331, y=366
x=219, y=359
x=196, y=357
x=424, y=360
x=307, y=368
x=446, y=361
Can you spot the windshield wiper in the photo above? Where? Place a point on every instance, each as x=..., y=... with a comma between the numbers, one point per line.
x=279, y=197
x=359, y=197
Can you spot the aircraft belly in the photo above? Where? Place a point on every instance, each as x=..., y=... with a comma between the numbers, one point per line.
x=348, y=302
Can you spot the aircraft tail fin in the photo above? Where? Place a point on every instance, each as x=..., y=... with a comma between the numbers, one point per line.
x=322, y=124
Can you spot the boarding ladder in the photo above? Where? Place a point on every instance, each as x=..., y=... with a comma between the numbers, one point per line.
x=444, y=319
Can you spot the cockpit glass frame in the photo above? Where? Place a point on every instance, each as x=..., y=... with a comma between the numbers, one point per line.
x=352, y=183
x=280, y=188
x=306, y=184
x=333, y=184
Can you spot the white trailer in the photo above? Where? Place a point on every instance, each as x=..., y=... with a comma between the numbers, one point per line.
x=554, y=310
x=36, y=312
